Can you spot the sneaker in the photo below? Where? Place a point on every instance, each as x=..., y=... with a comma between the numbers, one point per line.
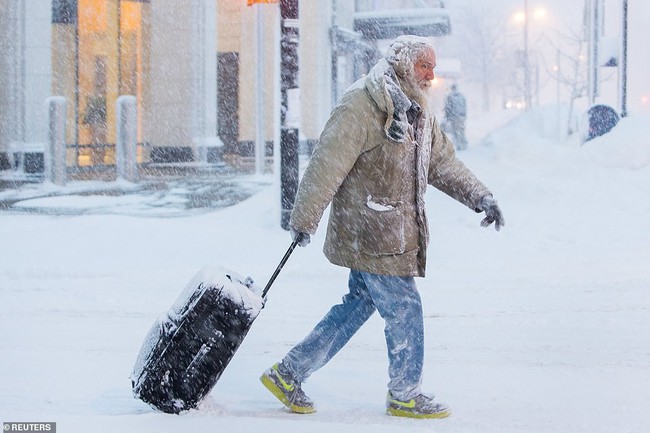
x=422, y=406
x=287, y=390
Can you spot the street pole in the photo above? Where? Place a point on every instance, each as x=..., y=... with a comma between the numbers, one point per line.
x=288, y=133
x=335, y=55
x=558, y=76
x=624, y=62
x=527, y=84
x=594, y=18
x=260, y=129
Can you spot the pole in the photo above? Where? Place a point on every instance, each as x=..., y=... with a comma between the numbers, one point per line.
x=594, y=36
x=260, y=151
x=527, y=84
x=559, y=110
x=624, y=63
x=335, y=55
x=277, y=104
x=289, y=133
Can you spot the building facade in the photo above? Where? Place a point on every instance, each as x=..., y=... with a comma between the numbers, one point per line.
x=191, y=65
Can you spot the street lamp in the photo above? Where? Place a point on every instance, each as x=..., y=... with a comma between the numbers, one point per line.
x=539, y=14
x=523, y=19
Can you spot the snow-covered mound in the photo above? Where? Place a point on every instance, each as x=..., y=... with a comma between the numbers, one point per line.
x=625, y=146
x=534, y=133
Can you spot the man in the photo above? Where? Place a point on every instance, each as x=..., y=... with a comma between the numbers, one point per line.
x=455, y=114
x=375, y=157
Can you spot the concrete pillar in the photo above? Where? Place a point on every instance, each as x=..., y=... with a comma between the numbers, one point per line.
x=204, y=59
x=126, y=144
x=54, y=157
x=168, y=121
x=181, y=100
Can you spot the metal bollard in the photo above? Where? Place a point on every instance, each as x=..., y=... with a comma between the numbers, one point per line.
x=126, y=144
x=54, y=161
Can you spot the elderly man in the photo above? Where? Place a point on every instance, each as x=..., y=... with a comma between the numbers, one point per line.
x=378, y=152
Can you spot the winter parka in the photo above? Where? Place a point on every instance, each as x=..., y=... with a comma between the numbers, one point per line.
x=376, y=185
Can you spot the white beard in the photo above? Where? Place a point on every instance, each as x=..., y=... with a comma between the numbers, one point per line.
x=418, y=90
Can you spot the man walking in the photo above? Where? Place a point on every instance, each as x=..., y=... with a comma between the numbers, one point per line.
x=378, y=152
x=455, y=115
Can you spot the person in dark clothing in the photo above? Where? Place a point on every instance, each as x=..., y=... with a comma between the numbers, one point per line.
x=455, y=114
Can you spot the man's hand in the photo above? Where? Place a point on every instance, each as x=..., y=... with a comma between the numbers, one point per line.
x=303, y=239
x=492, y=213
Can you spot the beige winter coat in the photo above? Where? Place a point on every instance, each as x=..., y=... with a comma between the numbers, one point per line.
x=376, y=186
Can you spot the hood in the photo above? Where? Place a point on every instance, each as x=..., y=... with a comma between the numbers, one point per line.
x=382, y=85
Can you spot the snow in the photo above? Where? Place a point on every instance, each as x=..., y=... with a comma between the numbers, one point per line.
x=379, y=207
x=230, y=284
x=541, y=327
x=418, y=14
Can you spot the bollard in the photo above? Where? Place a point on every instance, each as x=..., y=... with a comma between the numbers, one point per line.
x=55, y=165
x=126, y=143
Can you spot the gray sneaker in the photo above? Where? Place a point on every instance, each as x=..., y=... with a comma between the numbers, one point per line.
x=287, y=390
x=421, y=406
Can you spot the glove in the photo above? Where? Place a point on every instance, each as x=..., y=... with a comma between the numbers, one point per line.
x=492, y=213
x=303, y=239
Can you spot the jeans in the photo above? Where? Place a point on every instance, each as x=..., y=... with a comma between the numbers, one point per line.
x=398, y=303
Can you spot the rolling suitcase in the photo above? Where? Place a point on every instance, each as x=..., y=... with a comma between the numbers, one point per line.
x=188, y=347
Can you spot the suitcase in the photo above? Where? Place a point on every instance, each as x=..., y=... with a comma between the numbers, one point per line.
x=188, y=347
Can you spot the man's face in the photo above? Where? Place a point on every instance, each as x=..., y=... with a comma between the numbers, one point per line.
x=423, y=69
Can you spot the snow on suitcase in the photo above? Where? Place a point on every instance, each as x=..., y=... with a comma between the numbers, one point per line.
x=188, y=348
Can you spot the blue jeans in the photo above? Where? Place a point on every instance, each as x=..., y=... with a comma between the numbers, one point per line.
x=398, y=303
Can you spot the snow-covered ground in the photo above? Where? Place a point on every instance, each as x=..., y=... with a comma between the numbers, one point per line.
x=542, y=327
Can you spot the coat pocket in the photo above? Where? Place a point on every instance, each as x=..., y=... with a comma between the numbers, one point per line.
x=383, y=231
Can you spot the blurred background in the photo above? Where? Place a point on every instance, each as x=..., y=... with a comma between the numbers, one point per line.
x=216, y=82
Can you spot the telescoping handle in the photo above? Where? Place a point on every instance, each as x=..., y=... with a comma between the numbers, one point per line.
x=281, y=265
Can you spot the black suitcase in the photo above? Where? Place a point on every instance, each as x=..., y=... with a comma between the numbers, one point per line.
x=188, y=348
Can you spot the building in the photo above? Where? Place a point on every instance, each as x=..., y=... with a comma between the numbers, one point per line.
x=191, y=65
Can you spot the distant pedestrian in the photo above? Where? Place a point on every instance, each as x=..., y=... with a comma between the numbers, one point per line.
x=378, y=152
x=455, y=115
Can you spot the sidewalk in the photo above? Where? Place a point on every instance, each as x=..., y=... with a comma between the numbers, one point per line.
x=161, y=192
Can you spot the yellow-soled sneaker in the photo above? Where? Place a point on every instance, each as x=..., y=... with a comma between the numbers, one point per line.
x=287, y=390
x=422, y=406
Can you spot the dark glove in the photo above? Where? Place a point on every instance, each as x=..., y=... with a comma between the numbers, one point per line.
x=492, y=213
x=303, y=239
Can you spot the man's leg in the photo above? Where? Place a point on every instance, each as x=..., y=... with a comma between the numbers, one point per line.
x=332, y=332
x=398, y=302
x=461, y=134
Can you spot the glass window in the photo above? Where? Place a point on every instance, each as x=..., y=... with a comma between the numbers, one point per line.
x=109, y=61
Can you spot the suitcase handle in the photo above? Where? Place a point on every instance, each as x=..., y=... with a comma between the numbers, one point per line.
x=281, y=265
